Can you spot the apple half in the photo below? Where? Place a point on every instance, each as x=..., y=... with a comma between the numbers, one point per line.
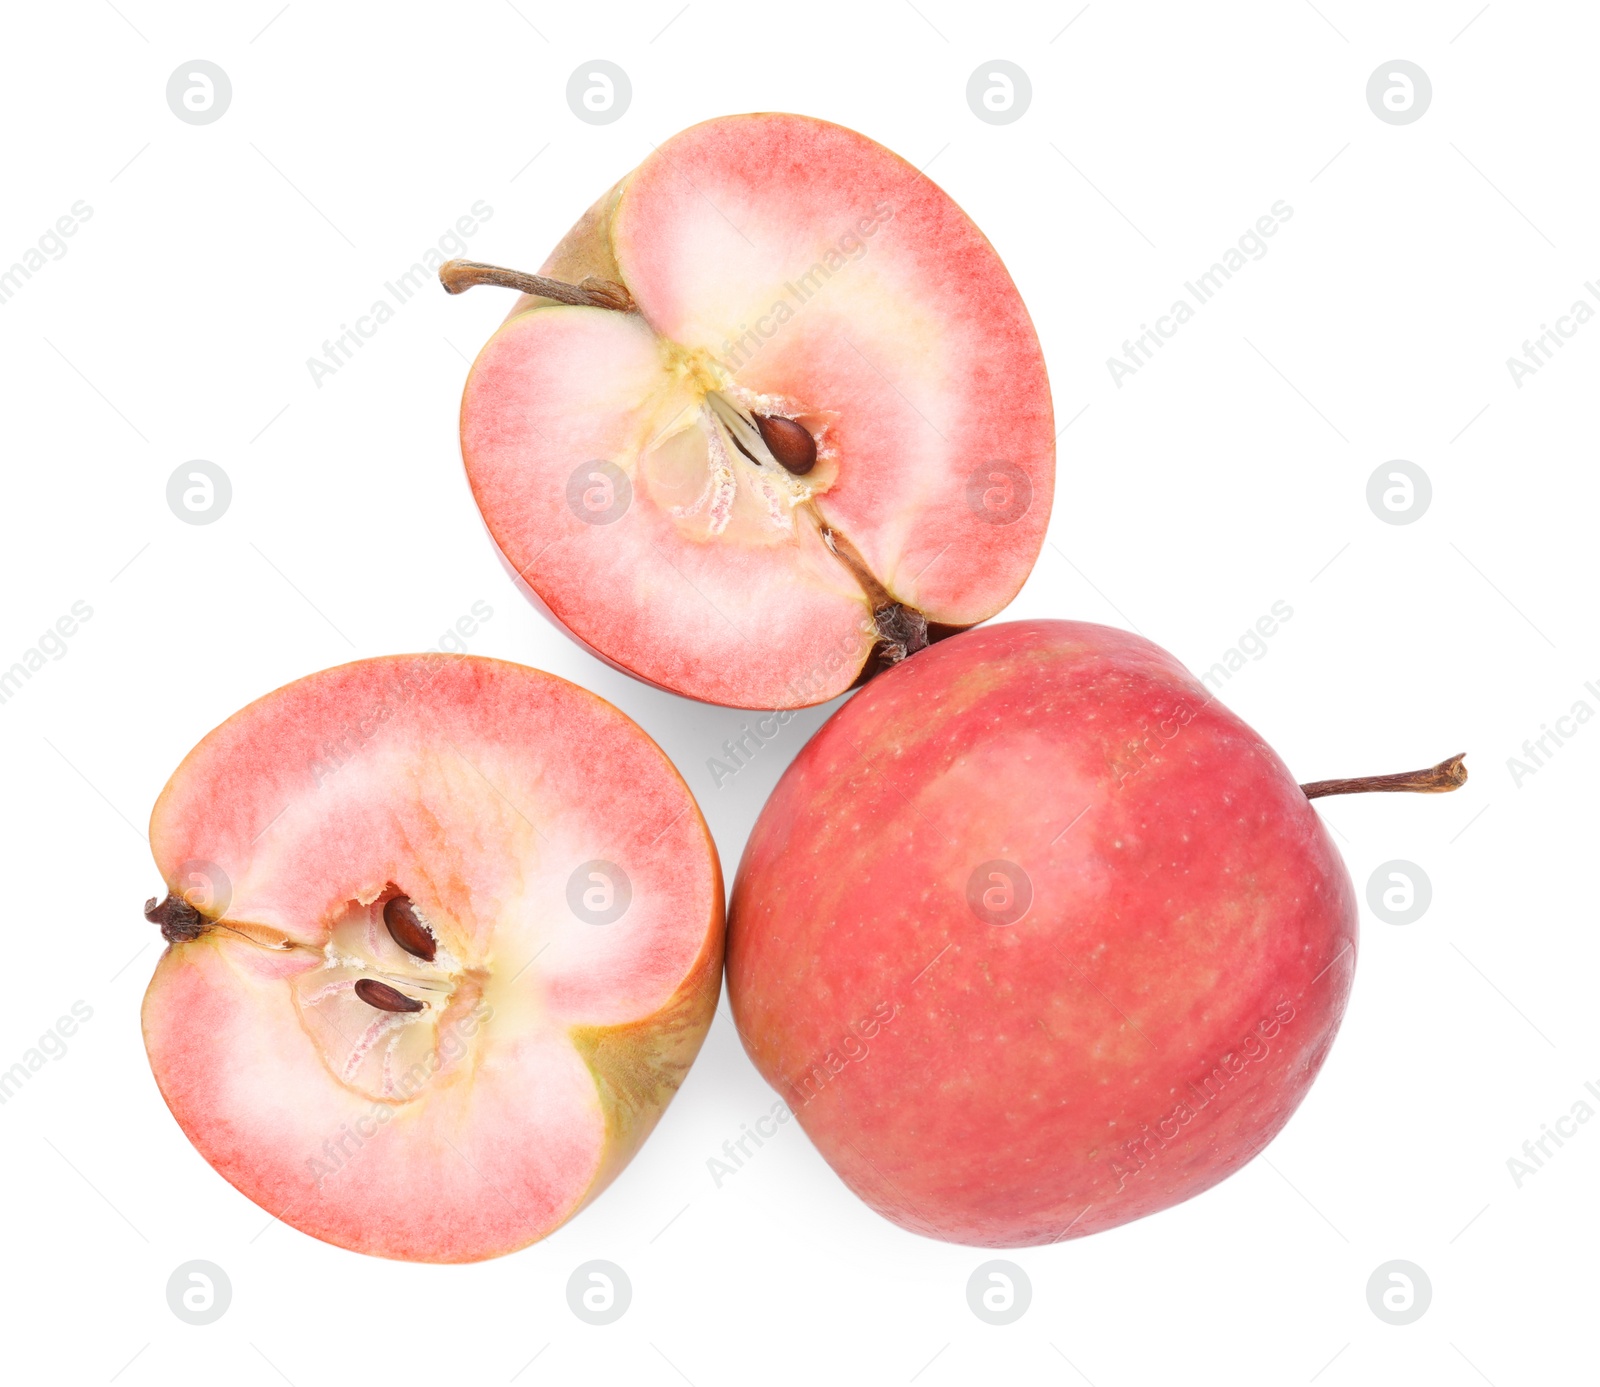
x=445, y=935
x=773, y=416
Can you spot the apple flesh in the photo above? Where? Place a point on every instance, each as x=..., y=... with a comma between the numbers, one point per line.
x=445, y=935
x=773, y=416
x=1035, y=937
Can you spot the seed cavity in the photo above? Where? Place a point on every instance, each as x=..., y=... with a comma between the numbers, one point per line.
x=739, y=427
x=789, y=441
x=408, y=930
x=386, y=998
x=737, y=443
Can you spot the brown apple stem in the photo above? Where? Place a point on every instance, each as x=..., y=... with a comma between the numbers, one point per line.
x=458, y=276
x=1447, y=775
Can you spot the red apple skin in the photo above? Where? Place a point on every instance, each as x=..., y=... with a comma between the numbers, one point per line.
x=1146, y=1027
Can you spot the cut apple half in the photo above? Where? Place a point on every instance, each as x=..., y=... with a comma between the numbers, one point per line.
x=772, y=416
x=445, y=935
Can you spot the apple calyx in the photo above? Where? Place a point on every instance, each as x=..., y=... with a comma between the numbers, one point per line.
x=1450, y=774
x=900, y=630
x=180, y=922
x=458, y=276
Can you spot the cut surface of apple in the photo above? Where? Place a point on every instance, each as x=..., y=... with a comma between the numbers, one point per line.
x=445, y=935
x=1036, y=937
x=820, y=427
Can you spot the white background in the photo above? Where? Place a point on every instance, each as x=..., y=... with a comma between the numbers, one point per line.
x=1226, y=475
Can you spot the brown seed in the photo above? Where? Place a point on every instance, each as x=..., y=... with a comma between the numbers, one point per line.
x=407, y=930
x=789, y=441
x=385, y=998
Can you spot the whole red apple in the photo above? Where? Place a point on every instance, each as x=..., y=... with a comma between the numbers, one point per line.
x=1036, y=937
x=445, y=935
x=772, y=414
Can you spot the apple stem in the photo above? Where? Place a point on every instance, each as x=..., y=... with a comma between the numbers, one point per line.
x=1447, y=775
x=457, y=276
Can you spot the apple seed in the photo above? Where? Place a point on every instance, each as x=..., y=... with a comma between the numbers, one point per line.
x=407, y=929
x=789, y=441
x=386, y=998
